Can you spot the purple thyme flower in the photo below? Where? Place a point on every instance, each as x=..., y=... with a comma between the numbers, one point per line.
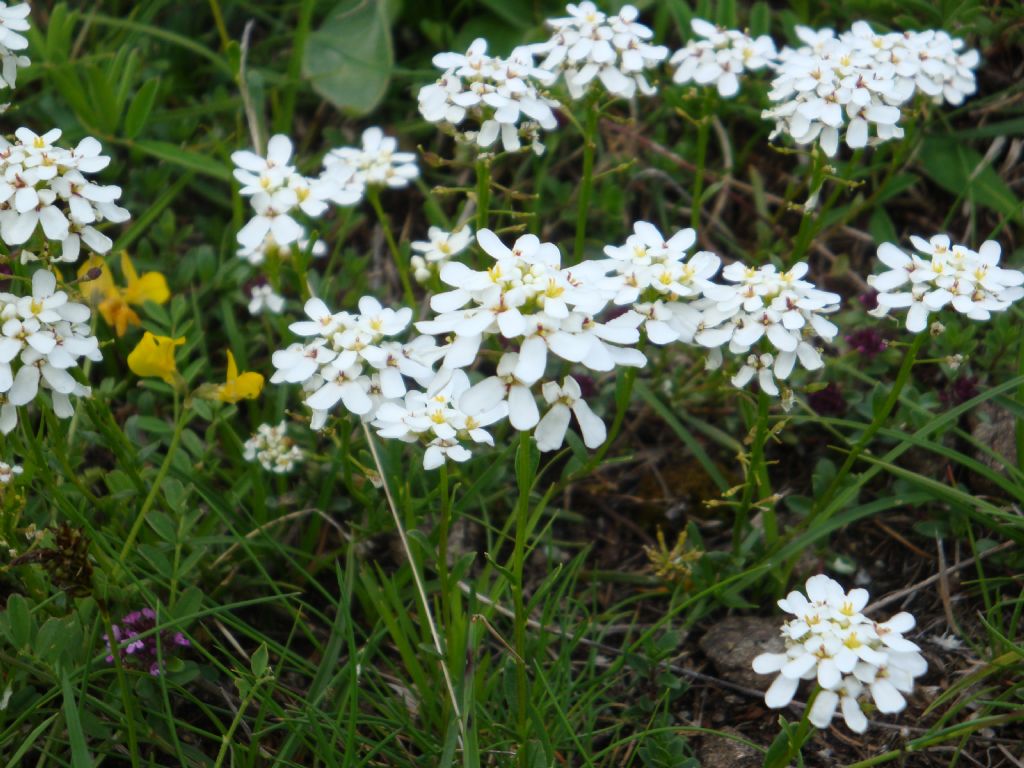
x=867, y=341
x=828, y=401
x=143, y=652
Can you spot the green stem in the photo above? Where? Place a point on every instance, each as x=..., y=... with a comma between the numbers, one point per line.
x=703, y=129
x=525, y=476
x=400, y=263
x=443, y=533
x=283, y=123
x=483, y=193
x=820, y=512
x=757, y=481
x=180, y=417
x=587, y=184
x=218, y=21
x=1020, y=399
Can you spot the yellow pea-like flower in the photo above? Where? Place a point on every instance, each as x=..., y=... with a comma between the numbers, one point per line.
x=153, y=356
x=245, y=386
x=115, y=303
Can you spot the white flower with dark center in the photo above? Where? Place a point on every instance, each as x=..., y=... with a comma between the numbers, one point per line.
x=501, y=96
x=377, y=162
x=588, y=47
x=567, y=400
x=13, y=21
x=720, y=57
x=262, y=298
x=943, y=275
x=272, y=448
x=831, y=640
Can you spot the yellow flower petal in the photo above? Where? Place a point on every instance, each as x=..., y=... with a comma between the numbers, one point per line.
x=246, y=386
x=103, y=286
x=152, y=286
x=154, y=356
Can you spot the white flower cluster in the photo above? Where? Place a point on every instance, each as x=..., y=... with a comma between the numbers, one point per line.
x=45, y=185
x=277, y=190
x=438, y=417
x=652, y=274
x=765, y=306
x=431, y=254
x=8, y=472
x=349, y=360
x=855, y=83
x=942, y=274
x=830, y=640
x=376, y=163
x=536, y=310
x=502, y=95
x=273, y=449
x=42, y=337
x=13, y=21
x=720, y=57
x=587, y=47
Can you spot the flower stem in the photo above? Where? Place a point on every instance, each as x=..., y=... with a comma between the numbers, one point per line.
x=587, y=184
x=1020, y=399
x=756, y=479
x=444, y=527
x=820, y=511
x=400, y=263
x=703, y=129
x=525, y=476
x=483, y=193
x=180, y=418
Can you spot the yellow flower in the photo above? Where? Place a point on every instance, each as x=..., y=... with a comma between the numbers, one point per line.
x=154, y=356
x=115, y=304
x=248, y=385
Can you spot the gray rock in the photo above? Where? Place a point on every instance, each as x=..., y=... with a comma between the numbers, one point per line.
x=732, y=643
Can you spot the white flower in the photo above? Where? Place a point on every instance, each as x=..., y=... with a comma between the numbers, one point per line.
x=13, y=21
x=501, y=95
x=829, y=639
x=263, y=298
x=435, y=417
x=944, y=275
x=45, y=185
x=268, y=247
x=376, y=163
x=588, y=47
x=566, y=399
x=720, y=57
x=272, y=448
x=527, y=297
x=859, y=81
x=348, y=359
x=42, y=337
x=276, y=191
x=9, y=471
x=767, y=307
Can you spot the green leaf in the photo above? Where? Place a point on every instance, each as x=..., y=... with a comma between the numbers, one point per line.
x=955, y=167
x=193, y=161
x=348, y=59
x=20, y=621
x=141, y=106
x=259, y=660
x=80, y=757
